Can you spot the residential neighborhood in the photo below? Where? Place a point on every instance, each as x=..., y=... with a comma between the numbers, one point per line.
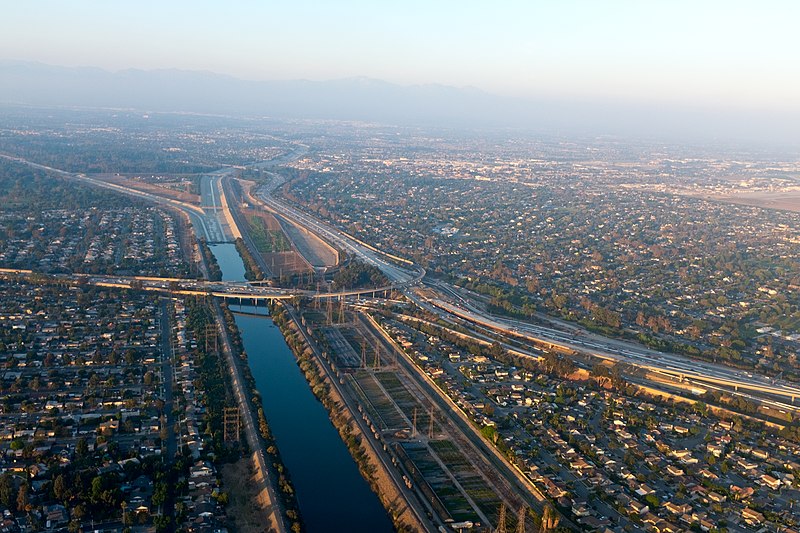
x=614, y=456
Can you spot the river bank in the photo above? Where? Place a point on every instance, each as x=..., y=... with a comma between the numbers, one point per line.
x=321, y=378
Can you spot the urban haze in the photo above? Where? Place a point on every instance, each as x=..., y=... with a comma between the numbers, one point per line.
x=367, y=268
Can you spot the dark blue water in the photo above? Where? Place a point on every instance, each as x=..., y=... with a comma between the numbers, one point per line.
x=229, y=261
x=330, y=490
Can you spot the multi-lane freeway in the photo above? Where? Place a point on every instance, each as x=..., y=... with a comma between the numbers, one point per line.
x=209, y=201
x=612, y=349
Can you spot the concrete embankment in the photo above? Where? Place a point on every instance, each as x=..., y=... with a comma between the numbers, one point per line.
x=317, y=252
x=228, y=218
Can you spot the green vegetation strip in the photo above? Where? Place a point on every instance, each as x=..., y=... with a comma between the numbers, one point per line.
x=267, y=240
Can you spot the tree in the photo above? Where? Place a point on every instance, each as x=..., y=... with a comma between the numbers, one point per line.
x=96, y=494
x=6, y=491
x=159, y=494
x=22, y=497
x=700, y=407
x=161, y=522
x=490, y=433
x=79, y=511
x=60, y=488
x=81, y=448
x=652, y=501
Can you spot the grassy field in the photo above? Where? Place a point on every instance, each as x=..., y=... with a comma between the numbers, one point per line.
x=267, y=240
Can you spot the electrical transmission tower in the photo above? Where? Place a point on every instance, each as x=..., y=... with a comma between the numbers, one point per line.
x=501, y=521
x=377, y=363
x=523, y=512
x=363, y=355
x=550, y=519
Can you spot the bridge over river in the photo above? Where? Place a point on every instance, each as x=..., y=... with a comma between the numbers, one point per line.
x=231, y=290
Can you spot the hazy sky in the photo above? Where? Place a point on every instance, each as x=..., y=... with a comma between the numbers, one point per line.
x=696, y=52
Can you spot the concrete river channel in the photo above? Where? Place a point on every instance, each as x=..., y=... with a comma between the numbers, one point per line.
x=330, y=490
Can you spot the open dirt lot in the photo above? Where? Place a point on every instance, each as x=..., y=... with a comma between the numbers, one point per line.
x=249, y=508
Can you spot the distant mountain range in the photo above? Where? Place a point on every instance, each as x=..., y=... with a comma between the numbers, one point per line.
x=181, y=90
x=372, y=100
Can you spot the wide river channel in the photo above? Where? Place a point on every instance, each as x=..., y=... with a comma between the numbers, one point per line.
x=330, y=490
